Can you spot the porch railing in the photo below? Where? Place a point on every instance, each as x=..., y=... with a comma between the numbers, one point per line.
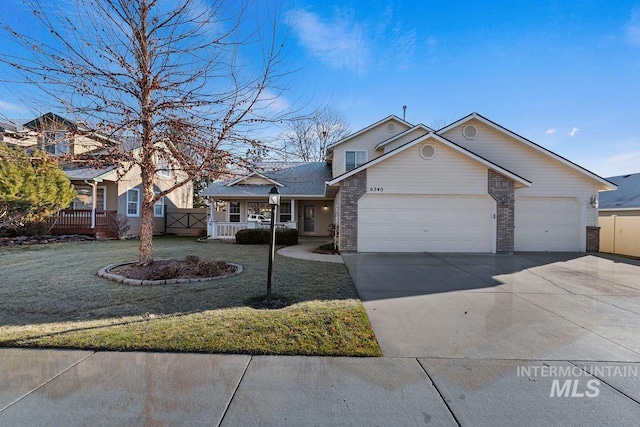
x=78, y=221
x=228, y=230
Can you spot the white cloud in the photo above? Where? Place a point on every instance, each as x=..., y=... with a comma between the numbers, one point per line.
x=550, y=131
x=9, y=110
x=632, y=29
x=633, y=34
x=340, y=43
x=573, y=132
x=615, y=165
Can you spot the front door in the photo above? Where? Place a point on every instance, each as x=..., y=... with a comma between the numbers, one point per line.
x=309, y=218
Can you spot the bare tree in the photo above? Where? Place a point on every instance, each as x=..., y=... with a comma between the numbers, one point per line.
x=171, y=79
x=307, y=138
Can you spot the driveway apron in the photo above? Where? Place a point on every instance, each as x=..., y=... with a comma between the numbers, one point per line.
x=535, y=306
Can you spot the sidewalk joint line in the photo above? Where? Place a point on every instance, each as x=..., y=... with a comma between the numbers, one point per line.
x=424, y=369
x=233, y=395
x=610, y=385
x=46, y=382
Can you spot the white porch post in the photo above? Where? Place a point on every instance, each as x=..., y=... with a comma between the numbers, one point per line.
x=293, y=211
x=94, y=201
x=211, y=224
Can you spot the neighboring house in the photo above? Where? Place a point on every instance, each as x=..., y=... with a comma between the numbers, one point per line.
x=472, y=186
x=619, y=216
x=104, y=190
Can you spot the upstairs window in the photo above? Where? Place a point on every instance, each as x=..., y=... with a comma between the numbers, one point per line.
x=163, y=168
x=56, y=142
x=354, y=159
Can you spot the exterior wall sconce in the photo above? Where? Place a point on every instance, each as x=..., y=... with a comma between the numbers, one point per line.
x=594, y=201
x=325, y=207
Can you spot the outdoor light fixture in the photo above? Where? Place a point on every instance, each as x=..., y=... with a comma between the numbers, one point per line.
x=594, y=201
x=325, y=207
x=274, y=197
x=274, y=201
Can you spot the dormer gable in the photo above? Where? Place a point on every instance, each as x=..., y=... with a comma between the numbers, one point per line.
x=254, y=178
x=360, y=146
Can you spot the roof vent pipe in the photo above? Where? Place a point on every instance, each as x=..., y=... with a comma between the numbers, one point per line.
x=404, y=113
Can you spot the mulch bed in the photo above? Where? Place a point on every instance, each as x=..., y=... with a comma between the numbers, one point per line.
x=173, y=269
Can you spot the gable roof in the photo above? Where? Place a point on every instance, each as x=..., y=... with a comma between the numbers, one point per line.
x=38, y=122
x=306, y=179
x=243, y=178
x=401, y=134
x=82, y=172
x=627, y=196
x=522, y=181
x=606, y=184
x=361, y=131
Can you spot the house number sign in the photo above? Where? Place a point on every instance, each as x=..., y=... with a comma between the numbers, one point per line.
x=376, y=189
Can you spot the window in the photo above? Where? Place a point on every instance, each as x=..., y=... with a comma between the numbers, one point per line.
x=133, y=202
x=234, y=211
x=163, y=167
x=285, y=212
x=84, y=196
x=354, y=159
x=56, y=142
x=258, y=208
x=158, y=208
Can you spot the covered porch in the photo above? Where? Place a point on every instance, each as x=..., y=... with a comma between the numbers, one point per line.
x=96, y=223
x=93, y=211
x=309, y=217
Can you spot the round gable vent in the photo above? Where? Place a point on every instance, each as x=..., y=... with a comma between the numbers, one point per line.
x=427, y=151
x=391, y=127
x=470, y=132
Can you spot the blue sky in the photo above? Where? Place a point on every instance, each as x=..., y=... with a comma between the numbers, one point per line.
x=565, y=74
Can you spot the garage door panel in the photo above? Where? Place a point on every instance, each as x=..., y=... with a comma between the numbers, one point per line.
x=388, y=223
x=548, y=224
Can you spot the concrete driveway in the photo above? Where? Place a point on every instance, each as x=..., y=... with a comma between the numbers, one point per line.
x=551, y=306
x=524, y=339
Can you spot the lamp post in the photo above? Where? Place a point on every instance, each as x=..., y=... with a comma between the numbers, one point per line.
x=274, y=201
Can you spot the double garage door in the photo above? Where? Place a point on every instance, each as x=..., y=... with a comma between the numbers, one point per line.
x=442, y=223
x=425, y=223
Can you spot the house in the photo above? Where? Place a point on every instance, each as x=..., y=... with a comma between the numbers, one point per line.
x=472, y=186
x=619, y=216
x=104, y=190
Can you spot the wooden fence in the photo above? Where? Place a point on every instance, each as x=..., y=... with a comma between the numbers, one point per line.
x=620, y=235
x=186, y=222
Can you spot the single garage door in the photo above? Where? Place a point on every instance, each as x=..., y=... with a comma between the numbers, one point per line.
x=548, y=224
x=421, y=223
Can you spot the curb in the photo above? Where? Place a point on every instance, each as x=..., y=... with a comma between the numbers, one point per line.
x=105, y=273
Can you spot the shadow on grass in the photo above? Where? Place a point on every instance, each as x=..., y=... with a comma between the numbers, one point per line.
x=58, y=283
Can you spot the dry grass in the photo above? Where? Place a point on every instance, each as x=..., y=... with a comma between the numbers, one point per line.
x=50, y=296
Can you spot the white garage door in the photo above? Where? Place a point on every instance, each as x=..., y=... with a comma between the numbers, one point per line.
x=399, y=223
x=548, y=224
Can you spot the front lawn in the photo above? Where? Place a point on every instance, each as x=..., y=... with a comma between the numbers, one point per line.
x=50, y=296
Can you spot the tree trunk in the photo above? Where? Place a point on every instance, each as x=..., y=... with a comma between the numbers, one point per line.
x=146, y=226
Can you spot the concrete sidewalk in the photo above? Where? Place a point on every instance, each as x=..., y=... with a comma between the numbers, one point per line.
x=79, y=388
x=304, y=250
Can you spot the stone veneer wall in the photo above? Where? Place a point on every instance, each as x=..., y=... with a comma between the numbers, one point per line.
x=502, y=189
x=593, y=239
x=351, y=190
